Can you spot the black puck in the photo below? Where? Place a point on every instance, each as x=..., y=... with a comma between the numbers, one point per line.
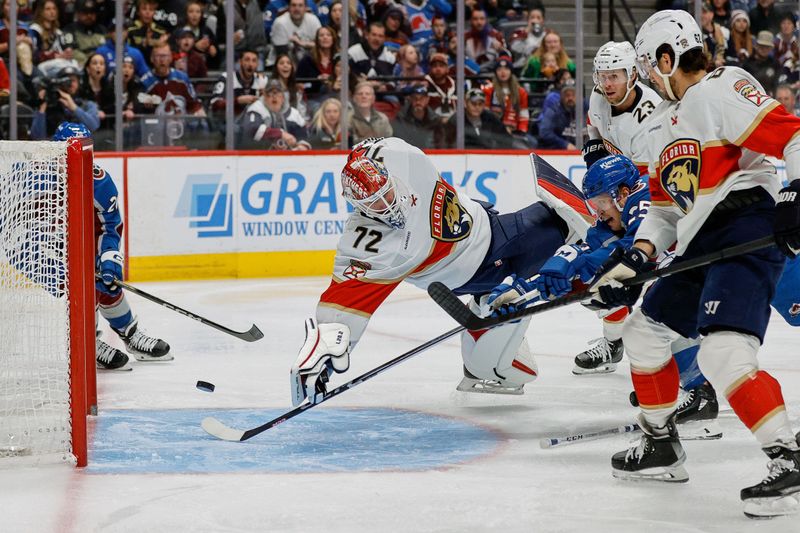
x=205, y=386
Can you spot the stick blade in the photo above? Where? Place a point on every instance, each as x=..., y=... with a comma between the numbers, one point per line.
x=454, y=307
x=217, y=429
x=253, y=334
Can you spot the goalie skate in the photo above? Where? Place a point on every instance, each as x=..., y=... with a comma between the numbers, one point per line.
x=472, y=383
x=655, y=457
x=602, y=358
x=146, y=348
x=779, y=493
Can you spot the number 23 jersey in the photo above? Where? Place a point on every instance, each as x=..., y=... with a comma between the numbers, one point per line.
x=445, y=238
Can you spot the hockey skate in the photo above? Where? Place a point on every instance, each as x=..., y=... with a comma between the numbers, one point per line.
x=697, y=414
x=657, y=456
x=145, y=348
x=602, y=358
x=779, y=493
x=109, y=358
x=471, y=383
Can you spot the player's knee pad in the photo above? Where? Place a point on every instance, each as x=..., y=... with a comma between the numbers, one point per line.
x=500, y=353
x=647, y=342
x=725, y=357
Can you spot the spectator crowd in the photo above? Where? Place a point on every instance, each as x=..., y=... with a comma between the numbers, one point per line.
x=520, y=91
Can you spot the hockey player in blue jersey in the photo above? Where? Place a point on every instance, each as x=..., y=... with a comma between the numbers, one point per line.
x=111, y=300
x=619, y=197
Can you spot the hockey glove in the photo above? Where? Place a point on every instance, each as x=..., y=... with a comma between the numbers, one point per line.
x=109, y=266
x=608, y=291
x=326, y=350
x=513, y=294
x=555, y=276
x=593, y=150
x=787, y=219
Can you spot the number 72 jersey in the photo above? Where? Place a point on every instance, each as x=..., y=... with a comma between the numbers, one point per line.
x=446, y=237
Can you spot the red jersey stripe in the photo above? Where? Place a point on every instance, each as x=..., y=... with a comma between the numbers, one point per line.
x=771, y=131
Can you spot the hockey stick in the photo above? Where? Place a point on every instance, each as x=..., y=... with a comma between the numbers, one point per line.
x=448, y=301
x=552, y=442
x=216, y=428
x=251, y=335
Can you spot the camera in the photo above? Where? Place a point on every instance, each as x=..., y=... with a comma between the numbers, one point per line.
x=53, y=85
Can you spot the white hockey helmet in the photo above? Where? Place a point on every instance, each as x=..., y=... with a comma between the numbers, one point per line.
x=675, y=28
x=615, y=56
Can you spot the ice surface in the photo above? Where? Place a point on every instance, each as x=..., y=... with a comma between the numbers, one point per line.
x=491, y=475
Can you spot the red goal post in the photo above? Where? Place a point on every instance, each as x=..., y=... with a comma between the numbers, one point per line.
x=47, y=301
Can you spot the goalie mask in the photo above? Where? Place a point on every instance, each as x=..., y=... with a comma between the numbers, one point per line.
x=370, y=189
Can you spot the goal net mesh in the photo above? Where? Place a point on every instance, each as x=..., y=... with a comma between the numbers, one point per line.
x=34, y=302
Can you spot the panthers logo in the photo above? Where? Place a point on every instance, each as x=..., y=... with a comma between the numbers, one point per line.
x=450, y=222
x=679, y=173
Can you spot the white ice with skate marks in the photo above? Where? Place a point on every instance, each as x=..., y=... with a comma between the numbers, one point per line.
x=516, y=487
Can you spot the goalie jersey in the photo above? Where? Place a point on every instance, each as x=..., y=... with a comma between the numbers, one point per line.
x=620, y=132
x=708, y=144
x=445, y=238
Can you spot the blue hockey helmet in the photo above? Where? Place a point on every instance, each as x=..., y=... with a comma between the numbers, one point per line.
x=68, y=130
x=607, y=175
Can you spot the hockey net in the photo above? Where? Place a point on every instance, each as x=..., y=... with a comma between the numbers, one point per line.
x=46, y=301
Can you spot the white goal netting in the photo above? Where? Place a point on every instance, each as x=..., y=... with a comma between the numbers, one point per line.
x=34, y=303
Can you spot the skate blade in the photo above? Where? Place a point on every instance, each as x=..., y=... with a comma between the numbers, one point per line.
x=482, y=387
x=142, y=358
x=673, y=474
x=126, y=368
x=700, y=430
x=766, y=508
x=605, y=368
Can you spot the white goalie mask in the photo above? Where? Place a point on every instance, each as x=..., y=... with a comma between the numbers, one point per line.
x=615, y=56
x=675, y=28
x=368, y=186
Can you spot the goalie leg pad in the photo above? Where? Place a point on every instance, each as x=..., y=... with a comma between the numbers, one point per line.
x=500, y=354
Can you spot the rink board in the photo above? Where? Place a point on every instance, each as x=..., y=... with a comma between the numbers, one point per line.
x=238, y=214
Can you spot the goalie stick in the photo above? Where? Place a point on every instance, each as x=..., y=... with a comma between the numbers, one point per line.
x=451, y=304
x=251, y=335
x=217, y=429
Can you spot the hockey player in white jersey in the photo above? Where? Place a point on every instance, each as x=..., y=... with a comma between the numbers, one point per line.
x=618, y=108
x=409, y=224
x=711, y=188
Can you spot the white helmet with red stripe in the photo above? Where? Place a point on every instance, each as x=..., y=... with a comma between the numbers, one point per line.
x=368, y=186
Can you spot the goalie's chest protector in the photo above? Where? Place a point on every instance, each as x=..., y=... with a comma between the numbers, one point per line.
x=446, y=236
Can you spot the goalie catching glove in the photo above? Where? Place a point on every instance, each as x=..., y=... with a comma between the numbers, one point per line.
x=608, y=291
x=109, y=268
x=326, y=350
